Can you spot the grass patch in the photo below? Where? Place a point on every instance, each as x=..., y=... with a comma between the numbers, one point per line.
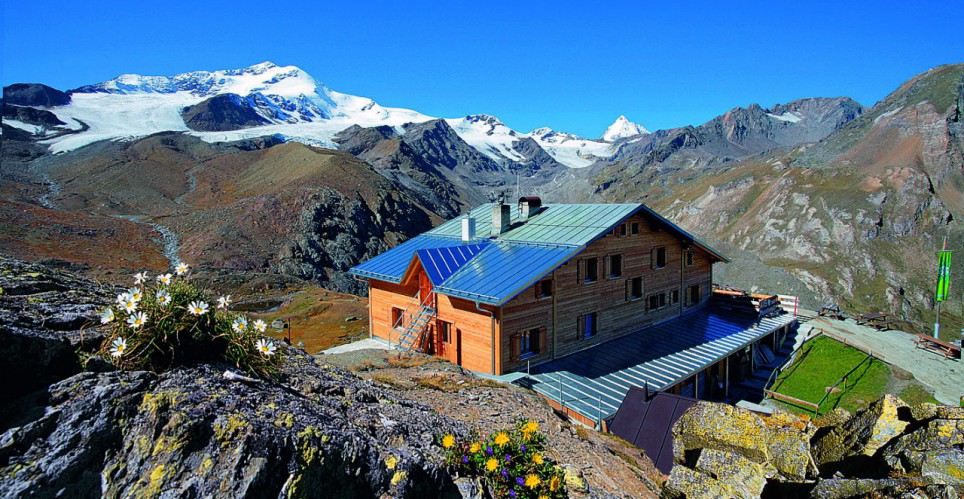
x=822, y=363
x=916, y=394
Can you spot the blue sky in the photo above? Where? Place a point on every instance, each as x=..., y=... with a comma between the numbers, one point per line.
x=571, y=66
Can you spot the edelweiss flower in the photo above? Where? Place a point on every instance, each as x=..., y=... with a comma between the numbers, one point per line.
x=181, y=268
x=240, y=324
x=265, y=347
x=118, y=347
x=164, y=278
x=130, y=306
x=260, y=325
x=197, y=307
x=140, y=278
x=137, y=320
x=163, y=298
x=224, y=301
x=135, y=294
x=107, y=315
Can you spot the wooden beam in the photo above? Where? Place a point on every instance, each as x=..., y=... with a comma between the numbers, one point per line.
x=791, y=399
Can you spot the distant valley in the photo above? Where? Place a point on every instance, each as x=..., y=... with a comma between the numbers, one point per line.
x=264, y=169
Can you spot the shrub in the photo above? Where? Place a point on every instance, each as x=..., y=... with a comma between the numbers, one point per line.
x=512, y=461
x=167, y=321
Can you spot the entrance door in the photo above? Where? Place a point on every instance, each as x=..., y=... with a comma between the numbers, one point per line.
x=425, y=290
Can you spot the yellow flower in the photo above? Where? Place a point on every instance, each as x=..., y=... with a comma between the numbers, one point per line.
x=501, y=438
x=448, y=441
x=554, y=484
x=532, y=481
x=543, y=496
x=491, y=464
x=537, y=458
x=475, y=447
x=530, y=427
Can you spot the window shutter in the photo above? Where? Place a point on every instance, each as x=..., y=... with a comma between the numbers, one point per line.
x=629, y=288
x=580, y=271
x=580, y=326
x=515, y=347
x=652, y=258
x=542, y=340
x=537, y=290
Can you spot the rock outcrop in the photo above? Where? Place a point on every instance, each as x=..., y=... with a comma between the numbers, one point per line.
x=318, y=431
x=885, y=450
x=34, y=94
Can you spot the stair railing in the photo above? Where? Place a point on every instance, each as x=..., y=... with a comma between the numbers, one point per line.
x=401, y=318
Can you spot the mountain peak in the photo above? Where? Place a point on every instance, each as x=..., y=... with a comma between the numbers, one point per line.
x=622, y=128
x=260, y=68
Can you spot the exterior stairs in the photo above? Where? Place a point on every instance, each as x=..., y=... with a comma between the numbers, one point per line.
x=410, y=333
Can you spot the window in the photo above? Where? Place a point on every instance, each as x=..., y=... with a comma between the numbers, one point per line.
x=615, y=266
x=634, y=288
x=544, y=289
x=656, y=301
x=397, y=316
x=659, y=258
x=674, y=297
x=588, y=325
x=591, y=273
x=445, y=331
x=622, y=230
x=693, y=295
x=688, y=258
x=527, y=344
x=634, y=228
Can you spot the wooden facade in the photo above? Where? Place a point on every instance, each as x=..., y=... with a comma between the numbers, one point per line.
x=637, y=275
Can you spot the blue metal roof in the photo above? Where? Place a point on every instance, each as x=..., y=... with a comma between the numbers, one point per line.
x=391, y=265
x=440, y=263
x=595, y=381
x=503, y=270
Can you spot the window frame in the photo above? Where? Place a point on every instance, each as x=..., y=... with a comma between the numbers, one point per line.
x=655, y=263
x=594, y=323
x=634, y=228
x=689, y=258
x=631, y=288
x=586, y=270
x=541, y=293
x=609, y=266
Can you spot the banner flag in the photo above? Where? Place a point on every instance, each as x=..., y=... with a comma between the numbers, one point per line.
x=943, y=274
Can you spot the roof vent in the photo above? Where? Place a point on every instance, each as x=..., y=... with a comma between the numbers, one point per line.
x=468, y=229
x=528, y=206
x=501, y=219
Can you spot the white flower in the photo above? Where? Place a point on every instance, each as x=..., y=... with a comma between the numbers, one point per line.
x=265, y=347
x=135, y=294
x=240, y=324
x=164, y=278
x=130, y=306
x=181, y=268
x=121, y=298
x=260, y=325
x=137, y=320
x=224, y=301
x=107, y=315
x=118, y=347
x=140, y=278
x=197, y=307
x=163, y=297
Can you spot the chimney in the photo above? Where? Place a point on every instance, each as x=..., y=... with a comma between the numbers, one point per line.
x=500, y=218
x=528, y=206
x=468, y=230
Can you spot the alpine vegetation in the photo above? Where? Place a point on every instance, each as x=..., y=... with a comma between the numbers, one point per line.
x=165, y=322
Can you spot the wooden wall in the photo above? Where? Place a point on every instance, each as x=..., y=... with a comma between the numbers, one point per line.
x=607, y=297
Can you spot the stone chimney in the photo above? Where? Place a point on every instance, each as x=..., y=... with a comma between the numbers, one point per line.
x=501, y=218
x=528, y=206
x=468, y=230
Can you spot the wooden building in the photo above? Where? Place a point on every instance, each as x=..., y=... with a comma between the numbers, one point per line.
x=506, y=287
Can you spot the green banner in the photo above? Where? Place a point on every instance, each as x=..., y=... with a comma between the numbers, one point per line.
x=943, y=274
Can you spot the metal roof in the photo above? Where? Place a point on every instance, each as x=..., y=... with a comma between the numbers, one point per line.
x=595, y=381
x=440, y=263
x=503, y=270
x=504, y=266
x=646, y=421
x=391, y=265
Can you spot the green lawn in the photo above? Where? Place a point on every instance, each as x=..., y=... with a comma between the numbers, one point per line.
x=821, y=363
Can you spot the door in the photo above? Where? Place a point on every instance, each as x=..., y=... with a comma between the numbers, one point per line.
x=425, y=290
x=458, y=347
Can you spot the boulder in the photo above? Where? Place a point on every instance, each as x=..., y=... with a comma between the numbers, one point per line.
x=927, y=411
x=944, y=466
x=908, y=453
x=684, y=482
x=844, y=488
x=740, y=475
x=862, y=435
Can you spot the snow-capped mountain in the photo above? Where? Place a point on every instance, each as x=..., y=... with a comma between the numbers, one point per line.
x=266, y=99
x=622, y=128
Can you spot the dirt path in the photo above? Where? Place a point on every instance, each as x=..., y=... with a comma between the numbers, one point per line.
x=945, y=377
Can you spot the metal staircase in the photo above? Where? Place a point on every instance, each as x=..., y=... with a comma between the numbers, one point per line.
x=412, y=325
